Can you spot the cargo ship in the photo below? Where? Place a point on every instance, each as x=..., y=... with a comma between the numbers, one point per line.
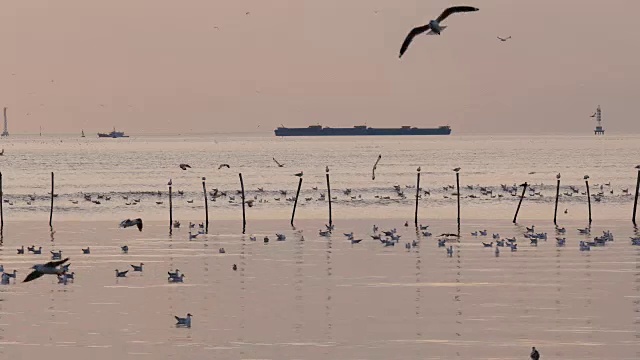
x=361, y=130
x=113, y=134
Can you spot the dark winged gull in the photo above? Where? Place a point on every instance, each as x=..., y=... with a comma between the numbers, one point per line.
x=184, y=166
x=224, y=165
x=503, y=39
x=433, y=27
x=50, y=268
x=128, y=223
x=279, y=165
x=184, y=322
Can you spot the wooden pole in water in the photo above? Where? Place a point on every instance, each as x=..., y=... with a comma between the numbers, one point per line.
x=206, y=205
x=2, y=216
x=415, y=218
x=555, y=212
x=329, y=195
x=295, y=203
x=586, y=181
x=170, y=209
x=524, y=189
x=244, y=221
x=458, y=194
x=51, y=211
x=635, y=202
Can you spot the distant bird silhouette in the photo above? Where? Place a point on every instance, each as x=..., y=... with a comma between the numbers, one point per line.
x=433, y=27
x=326, y=169
x=128, y=223
x=504, y=39
x=224, y=165
x=637, y=166
x=299, y=174
x=276, y=161
x=456, y=169
x=586, y=177
x=594, y=114
x=50, y=268
x=558, y=176
x=184, y=166
x=535, y=355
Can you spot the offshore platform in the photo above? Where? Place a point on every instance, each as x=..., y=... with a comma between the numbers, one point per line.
x=598, y=115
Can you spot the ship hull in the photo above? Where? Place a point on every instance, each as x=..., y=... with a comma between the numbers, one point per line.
x=113, y=135
x=360, y=131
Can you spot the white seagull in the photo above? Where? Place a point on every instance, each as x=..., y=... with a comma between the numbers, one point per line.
x=433, y=27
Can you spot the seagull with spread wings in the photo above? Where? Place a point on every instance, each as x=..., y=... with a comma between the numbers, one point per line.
x=50, y=268
x=433, y=27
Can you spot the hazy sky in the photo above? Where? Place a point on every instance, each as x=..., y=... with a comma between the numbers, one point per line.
x=152, y=66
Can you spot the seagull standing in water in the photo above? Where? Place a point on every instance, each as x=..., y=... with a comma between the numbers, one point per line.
x=433, y=27
x=50, y=268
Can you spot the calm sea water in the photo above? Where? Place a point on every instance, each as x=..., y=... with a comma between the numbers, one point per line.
x=311, y=297
x=139, y=167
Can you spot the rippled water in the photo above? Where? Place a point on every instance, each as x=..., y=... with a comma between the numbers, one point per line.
x=321, y=298
x=139, y=167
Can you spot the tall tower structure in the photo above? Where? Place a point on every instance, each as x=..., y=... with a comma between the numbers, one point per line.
x=6, y=131
x=599, y=130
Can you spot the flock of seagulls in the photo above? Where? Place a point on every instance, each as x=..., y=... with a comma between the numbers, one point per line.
x=387, y=238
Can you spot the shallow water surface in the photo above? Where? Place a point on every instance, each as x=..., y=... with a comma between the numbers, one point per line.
x=320, y=298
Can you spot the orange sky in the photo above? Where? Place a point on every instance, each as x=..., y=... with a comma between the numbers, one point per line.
x=158, y=66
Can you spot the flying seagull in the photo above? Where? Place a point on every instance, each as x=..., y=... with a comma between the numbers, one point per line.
x=279, y=165
x=127, y=223
x=224, y=165
x=504, y=39
x=50, y=268
x=433, y=27
x=184, y=166
x=373, y=172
